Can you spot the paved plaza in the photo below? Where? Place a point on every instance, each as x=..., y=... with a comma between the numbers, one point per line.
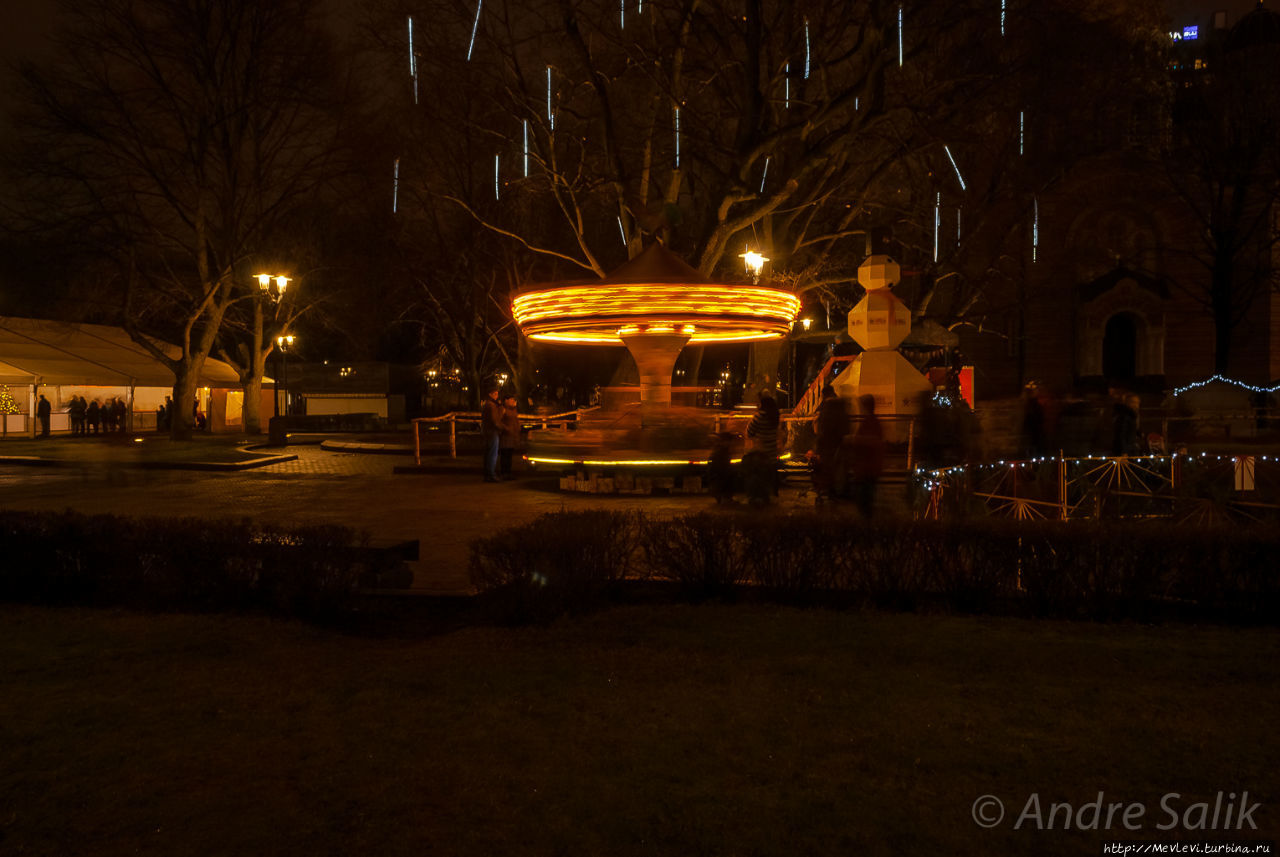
x=445, y=509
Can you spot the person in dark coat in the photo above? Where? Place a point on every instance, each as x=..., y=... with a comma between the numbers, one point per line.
x=720, y=475
x=509, y=436
x=77, y=411
x=866, y=448
x=491, y=433
x=760, y=465
x=94, y=415
x=43, y=412
x=830, y=426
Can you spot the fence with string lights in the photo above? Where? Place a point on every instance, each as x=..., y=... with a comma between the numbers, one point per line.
x=1193, y=488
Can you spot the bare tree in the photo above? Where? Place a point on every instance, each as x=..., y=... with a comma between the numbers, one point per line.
x=178, y=134
x=1224, y=167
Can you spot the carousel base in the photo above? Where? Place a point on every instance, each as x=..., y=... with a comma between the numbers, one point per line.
x=629, y=450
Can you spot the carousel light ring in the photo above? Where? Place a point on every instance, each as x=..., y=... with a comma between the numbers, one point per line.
x=603, y=313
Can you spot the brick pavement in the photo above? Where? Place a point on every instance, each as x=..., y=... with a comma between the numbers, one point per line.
x=445, y=510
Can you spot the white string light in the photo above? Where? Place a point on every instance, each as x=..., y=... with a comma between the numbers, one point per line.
x=395, y=186
x=947, y=149
x=413, y=62
x=475, y=26
x=764, y=174
x=786, y=76
x=1180, y=390
x=1003, y=4
x=958, y=226
x=622, y=14
x=526, y=148
x=496, y=194
x=622, y=231
x=1022, y=131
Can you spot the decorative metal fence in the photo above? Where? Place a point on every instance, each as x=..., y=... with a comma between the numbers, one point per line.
x=1196, y=488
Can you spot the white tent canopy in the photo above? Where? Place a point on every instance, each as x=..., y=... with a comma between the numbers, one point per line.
x=56, y=353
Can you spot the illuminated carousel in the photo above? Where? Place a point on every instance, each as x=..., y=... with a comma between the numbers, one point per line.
x=654, y=306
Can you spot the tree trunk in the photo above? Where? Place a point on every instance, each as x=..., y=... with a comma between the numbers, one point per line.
x=253, y=404
x=184, y=398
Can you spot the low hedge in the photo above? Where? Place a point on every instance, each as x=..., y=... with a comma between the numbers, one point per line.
x=183, y=564
x=559, y=562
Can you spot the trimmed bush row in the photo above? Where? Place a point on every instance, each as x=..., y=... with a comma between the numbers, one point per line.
x=572, y=561
x=184, y=564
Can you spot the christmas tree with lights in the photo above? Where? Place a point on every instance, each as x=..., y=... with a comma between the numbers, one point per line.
x=8, y=404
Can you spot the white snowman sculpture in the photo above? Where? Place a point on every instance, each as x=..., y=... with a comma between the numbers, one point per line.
x=879, y=323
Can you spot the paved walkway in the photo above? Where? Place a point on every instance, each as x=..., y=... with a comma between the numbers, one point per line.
x=445, y=510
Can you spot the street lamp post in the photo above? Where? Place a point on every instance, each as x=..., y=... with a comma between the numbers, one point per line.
x=284, y=342
x=271, y=288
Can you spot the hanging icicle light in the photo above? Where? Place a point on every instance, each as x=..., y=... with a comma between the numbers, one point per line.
x=1003, y=8
x=1035, y=228
x=551, y=116
x=937, y=223
x=622, y=231
x=786, y=77
x=765, y=174
x=395, y=186
x=526, y=148
x=475, y=27
x=947, y=149
x=1022, y=131
x=806, y=49
x=901, y=15
x=496, y=193
x=677, y=130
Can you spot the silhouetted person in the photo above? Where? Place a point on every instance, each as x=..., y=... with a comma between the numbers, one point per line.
x=720, y=475
x=94, y=415
x=830, y=426
x=491, y=433
x=76, y=413
x=43, y=412
x=118, y=412
x=867, y=455
x=509, y=436
x=760, y=465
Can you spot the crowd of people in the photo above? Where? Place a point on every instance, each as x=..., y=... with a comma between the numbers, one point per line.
x=97, y=417
x=843, y=463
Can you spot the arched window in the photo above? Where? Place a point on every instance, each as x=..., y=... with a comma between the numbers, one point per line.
x=1120, y=347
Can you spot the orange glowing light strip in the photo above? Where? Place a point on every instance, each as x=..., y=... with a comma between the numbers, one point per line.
x=636, y=462
x=659, y=300
x=595, y=337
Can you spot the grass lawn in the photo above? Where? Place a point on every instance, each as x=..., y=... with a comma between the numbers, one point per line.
x=641, y=730
x=135, y=449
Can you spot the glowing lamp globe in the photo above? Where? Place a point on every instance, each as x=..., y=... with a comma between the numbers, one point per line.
x=878, y=272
